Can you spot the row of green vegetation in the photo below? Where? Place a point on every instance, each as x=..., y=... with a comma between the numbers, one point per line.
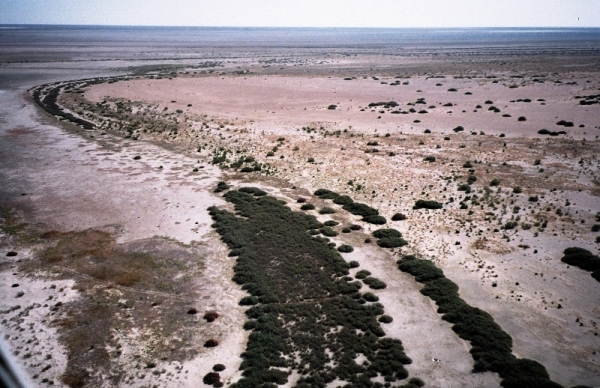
x=50, y=105
x=306, y=313
x=491, y=347
x=584, y=259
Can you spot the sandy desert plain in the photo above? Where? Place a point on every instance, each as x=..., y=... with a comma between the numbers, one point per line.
x=112, y=275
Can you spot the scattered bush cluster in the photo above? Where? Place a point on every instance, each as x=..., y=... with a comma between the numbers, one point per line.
x=491, y=346
x=297, y=280
x=368, y=214
x=584, y=259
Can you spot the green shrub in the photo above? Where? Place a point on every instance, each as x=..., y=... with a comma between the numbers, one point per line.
x=517, y=190
x=221, y=186
x=370, y=297
x=345, y=248
x=595, y=227
x=248, y=301
x=363, y=273
x=386, y=233
x=495, y=182
x=253, y=190
x=360, y=209
x=375, y=220
x=307, y=206
x=464, y=187
x=374, y=283
x=342, y=200
x=385, y=319
x=398, y=217
x=346, y=230
x=326, y=194
x=354, y=264
x=429, y=159
x=425, y=204
x=327, y=210
x=331, y=223
x=327, y=231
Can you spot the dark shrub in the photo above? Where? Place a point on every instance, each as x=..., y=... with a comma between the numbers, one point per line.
x=460, y=128
x=221, y=186
x=354, y=264
x=218, y=367
x=332, y=107
x=254, y=191
x=363, y=273
x=429, y=159
x=331, y=223
x=192, y=311
x=345, y=248
x=370, y=297
x=301, y=200
x=468, y=164
x=360, y=209
x=464, y=187
x=307, y=206
x=424, y=204
x=385, y=319
x=346, y=230
x=356, y=227
x=211, y=378
x=398, y=217
x=375, y=220
x=327, y=210
x=327, y=231
x=495, y=182
x=386, y=233
x=211, y=343
x=211, y=316
x=596, y=228
x=522, y=118
x=374, y=283
x=326, y=194
x=342, y=200
x=248, y=301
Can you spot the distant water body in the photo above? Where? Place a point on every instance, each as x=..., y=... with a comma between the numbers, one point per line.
x=35, y=35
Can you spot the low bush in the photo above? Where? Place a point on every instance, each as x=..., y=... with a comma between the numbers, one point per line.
x=425, y=204
x=221, y=186
x=342, y=200
x=374, y=283
x=345, y=248
x=355, y=227
x=360, y=209
x=375, y=220
x=385, y=319
x=307, y=206
x=398, y=217
x=327, y=231
x=254, y=191
x=495, y=182
x=327, y=210
x=326, y=194
x=429, y=159
x=331, y=223
x=363, y=273
x=464, y=187
x=370, y=297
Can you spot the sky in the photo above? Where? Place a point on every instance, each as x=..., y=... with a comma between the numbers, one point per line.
x=306, y=13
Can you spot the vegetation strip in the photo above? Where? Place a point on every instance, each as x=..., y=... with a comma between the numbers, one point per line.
x=491, y=346
x=307, y=314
